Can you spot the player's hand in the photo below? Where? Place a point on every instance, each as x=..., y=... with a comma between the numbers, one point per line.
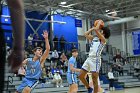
x=98, y=25
x=15, y=59
x=79, y=70
x=45, y=34
x=94, y=28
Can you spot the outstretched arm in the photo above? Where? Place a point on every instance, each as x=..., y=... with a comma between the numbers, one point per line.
x=46, y=53
x=17, y=18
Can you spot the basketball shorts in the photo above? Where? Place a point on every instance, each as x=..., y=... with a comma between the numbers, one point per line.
x=27, y=83
x=92, y=64
x=72, y=78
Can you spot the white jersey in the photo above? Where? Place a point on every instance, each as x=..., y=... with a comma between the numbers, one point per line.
x=96, y=48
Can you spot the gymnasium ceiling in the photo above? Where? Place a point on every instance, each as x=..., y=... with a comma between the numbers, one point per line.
x=86, y=8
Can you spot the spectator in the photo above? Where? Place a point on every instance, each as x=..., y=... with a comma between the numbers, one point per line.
x=63, y=57
x=29, y=49
x=7, y=47
x=55, y=40
x=48, y=69
x=73, y=46
x=62, y=61
x=115, y=69
x=35, y=39
x=62, y=43
x=136, y=66
x=118, y=57
x=30, y=38
x=42, y=45
x=120, y=70
x=57, y=79
x=53, y=70
x=43, y=76
x=55, y=57
x=21, y=72
x=50, y=75
x=111, y=79
x=8, y=52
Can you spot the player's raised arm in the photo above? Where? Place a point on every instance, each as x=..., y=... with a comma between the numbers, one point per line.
x=47, y=50
x=99, y=34
x=88, y=34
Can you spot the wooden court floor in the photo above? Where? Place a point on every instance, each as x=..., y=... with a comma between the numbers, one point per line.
x=127, y=90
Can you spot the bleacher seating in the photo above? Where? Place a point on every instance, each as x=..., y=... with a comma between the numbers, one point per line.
x=129, y=79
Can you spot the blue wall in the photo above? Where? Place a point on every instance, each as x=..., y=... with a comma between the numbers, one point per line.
x=36, y=15
x=68, y=30
x=6, y=22
x=136, y=42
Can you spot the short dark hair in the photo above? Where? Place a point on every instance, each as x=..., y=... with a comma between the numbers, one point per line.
x=34, y=50
x=106, y=32
x=74, y=50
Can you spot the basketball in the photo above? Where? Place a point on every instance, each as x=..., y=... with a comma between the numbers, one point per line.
x=101, y=25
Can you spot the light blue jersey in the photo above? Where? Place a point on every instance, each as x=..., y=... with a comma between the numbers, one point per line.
x=72, y=61
x=72, y=76
x=33, y=73
x=33, y=70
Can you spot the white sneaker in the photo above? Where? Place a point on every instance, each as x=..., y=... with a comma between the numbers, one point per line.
x=57, y=86
x=61, y=86
x=113, y=88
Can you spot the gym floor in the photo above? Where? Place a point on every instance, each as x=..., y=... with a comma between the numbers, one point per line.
x=127, y=90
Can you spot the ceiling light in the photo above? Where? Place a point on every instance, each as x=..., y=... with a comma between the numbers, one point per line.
x=63, y=3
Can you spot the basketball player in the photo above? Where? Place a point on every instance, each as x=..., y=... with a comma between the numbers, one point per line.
x=91, y=83
x=18, y=27
x=71, y=73
x=93, y=62
x=34, y=65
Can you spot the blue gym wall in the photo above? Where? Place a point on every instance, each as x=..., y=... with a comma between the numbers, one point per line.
x=36, y=15
x=68, y=30
x=6, y=25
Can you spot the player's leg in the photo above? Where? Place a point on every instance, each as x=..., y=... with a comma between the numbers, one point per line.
x=100, y=89
x=60, y=82
x=94, y=68
x=83, y=74
x=72, y=81
x=31, y=84
x=22, y=86
x=95, y=76
x=82, y=77
x=73, y=88
x=26, y=90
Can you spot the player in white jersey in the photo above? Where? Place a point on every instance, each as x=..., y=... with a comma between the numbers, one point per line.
x=93, y=62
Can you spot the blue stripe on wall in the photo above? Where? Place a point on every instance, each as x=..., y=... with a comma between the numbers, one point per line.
x=68, y=30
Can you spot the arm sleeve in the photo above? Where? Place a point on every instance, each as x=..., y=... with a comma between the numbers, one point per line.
x=71, y=61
